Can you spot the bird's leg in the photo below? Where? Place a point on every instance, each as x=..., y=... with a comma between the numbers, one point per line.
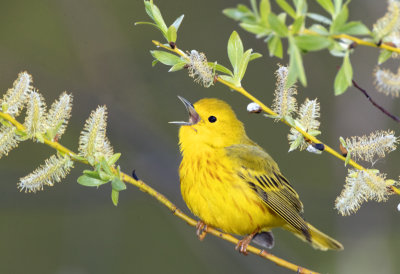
x=201, y=230
x=243, y=243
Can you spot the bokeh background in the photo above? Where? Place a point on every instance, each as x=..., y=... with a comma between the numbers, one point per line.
x=93, y=50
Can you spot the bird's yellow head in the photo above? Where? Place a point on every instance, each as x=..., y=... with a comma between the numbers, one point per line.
x=212, y=122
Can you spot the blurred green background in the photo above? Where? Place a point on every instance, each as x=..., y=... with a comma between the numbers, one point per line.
x=93, y=50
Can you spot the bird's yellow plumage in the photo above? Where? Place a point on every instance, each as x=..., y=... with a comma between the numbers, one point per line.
x=231, y=183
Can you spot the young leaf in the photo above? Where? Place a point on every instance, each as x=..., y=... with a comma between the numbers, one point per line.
x=220, y=68
x=286, y=7
x=157, y=17
x=319, y=29
x=113, y=159
x=298, y=24
x=254, y=56
x=354, y=28
x=117, y=184
x=275, y=47
x=177, y=66
x=296, y=143
x=86, y=180
x=327, y=5
x=171, y=34
x=258, y=29
x=166, y=58
x=265, y=9
x=243, y=64
x=178, y=22
x=383, y=56
x=277, y=26
x=344, y=76
x=312, y=42
x=319, y=18
x=235, y=51
x=340, y=19
x=114, y=196
x=295, y=64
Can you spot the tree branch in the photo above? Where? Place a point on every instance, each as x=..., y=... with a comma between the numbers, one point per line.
x=394, y=117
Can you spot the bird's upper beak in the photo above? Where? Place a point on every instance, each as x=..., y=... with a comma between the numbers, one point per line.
x=194, y=117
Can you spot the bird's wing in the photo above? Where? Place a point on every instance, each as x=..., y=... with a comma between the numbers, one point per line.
x=261, y=173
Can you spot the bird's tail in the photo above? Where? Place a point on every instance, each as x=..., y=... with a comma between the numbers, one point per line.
x=316, y=238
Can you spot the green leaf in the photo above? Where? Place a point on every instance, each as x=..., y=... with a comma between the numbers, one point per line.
x=105, y=167
x=157, y=17
x=166, y=58
x=86, y=180
x=177, y=66
x=277, y=26
x=265, y=9
x=171, y=34
x=114, y=196
x=295, y=64
x=286, y=7
x=354, y=28
x=301, y=7
x=319, y=18
x=238, y=14
x=235, y=51
x=243, y=64
x=275, y=47
x=91, y=173
x=117, y=184
x=312, y=42
x=113, y=159
x=297, y=24
x=384, y=56
x=338, y=6
x=105, y=176
x=319, y=29
x=255, y=28
x=327, y=5
x=229, y=79
x=148, y=23
x=340, y=19
x=154, y=63
x=220, y=68
x=253, y=4
x=178, y=22
x=254, y=56
x=344, y=76
x=296, y=143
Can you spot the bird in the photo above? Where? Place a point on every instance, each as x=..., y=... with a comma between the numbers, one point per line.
x=232, y=184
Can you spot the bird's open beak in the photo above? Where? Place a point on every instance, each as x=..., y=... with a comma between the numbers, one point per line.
x=194, y=117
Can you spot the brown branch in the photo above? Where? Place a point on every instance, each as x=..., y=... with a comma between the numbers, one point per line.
x=394, y=117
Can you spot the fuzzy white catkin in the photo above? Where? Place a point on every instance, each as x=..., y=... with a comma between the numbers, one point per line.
x=398, y=207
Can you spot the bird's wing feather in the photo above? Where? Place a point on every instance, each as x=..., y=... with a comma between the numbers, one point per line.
x=261, y=173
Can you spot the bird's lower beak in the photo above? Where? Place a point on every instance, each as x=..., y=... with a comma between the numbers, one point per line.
x=194, y=117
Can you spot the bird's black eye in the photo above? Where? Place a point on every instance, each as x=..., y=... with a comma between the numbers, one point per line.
x=212, y=119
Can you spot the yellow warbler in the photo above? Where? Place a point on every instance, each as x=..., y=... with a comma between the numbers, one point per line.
x=232, y=184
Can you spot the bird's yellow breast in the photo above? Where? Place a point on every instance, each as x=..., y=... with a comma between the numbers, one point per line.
x=218, y=196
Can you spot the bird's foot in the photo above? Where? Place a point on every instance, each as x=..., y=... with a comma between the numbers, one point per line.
x=201, y=230
x=244, y=243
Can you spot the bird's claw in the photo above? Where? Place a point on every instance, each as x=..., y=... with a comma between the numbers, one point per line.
x=242, y=246
x=201, y=230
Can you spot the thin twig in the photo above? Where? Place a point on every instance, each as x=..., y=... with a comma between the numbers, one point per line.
x=394, y=117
